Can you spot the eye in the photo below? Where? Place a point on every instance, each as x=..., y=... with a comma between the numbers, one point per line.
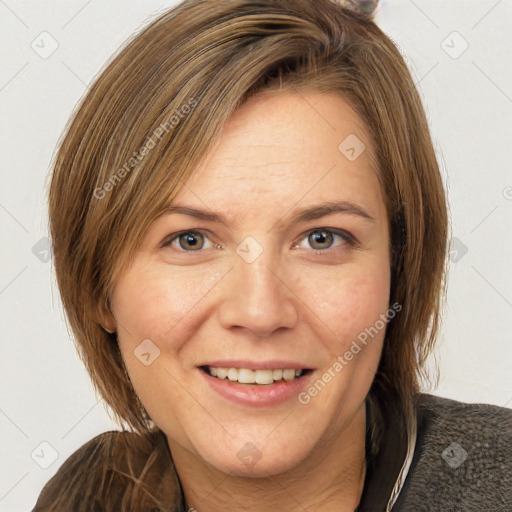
x=321, y=239
x=188, y=241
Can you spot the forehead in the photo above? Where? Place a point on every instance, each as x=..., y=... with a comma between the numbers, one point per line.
x=279, y=146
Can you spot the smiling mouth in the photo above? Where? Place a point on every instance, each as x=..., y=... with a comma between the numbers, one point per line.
x=258, y=377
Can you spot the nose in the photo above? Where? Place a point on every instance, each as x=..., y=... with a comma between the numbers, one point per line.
x=257, y=297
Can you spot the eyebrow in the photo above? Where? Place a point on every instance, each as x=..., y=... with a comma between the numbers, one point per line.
x=311, y=213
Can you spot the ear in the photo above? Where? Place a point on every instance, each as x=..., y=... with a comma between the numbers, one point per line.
x=106, y=318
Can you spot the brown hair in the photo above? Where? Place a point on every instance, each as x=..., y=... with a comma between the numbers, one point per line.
x=150, y=118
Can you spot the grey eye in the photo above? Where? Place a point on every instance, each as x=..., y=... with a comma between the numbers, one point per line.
x=188, y=241
x=323, y=237
x=191, y=240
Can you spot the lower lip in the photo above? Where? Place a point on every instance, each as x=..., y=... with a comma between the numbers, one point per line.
x=257, y=394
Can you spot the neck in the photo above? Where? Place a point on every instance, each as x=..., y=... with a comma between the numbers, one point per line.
x=330, y=479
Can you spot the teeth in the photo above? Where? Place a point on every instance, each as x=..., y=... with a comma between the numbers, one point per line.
x=289, y=374
x=222, y=373
x=263, y=376
x=246, y=376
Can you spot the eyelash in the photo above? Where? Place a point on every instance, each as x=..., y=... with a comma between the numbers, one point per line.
x=347, y=239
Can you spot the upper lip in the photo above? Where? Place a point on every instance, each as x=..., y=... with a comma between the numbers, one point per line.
x=258, y=365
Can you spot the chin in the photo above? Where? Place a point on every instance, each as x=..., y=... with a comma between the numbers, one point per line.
x=258, y=452
x=252, y=462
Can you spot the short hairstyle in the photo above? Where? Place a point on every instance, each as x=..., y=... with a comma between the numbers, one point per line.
x=153, y=113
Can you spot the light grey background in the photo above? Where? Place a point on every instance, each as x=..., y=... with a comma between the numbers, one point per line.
x=46, y=394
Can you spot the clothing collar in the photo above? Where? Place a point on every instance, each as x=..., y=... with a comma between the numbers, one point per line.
x=387, y=470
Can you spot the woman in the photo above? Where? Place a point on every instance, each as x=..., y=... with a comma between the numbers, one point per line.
x=250, y=232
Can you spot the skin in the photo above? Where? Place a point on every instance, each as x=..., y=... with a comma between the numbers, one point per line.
x=277, y=154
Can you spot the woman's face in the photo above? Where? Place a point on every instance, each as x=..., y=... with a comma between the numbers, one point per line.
x=255, y=282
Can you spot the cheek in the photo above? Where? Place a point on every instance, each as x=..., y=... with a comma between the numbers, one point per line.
x=349, y=301
x=151, y=302
x=352, y=306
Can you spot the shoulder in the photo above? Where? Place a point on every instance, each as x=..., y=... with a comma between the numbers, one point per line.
x=437, y=406
x=462, y=459
x=112, y=472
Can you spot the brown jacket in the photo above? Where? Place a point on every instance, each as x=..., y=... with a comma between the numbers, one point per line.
x=456, y=457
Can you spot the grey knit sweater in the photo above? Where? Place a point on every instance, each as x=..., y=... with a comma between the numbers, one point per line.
x=457, y=459
x=462, y=460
